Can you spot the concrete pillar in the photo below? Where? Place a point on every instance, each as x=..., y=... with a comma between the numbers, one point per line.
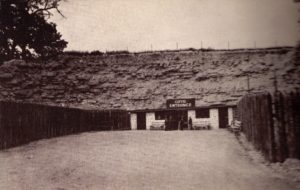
x=150, y=117
x=133, y=121
x=230, y=115
x=214, y=118
x=192, y=114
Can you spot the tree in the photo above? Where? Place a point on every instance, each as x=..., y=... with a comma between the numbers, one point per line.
x=25, y=31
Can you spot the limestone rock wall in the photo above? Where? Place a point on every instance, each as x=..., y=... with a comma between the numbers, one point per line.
x=146, y=80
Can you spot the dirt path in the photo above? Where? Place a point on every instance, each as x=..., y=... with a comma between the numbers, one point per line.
x=136, y=160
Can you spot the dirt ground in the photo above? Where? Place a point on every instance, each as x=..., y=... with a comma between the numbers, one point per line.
x=138, y=160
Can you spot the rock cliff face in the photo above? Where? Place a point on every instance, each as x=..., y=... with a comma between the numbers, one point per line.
x=147, y=80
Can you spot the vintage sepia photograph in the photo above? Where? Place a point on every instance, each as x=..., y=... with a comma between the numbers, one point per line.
x=149, y=94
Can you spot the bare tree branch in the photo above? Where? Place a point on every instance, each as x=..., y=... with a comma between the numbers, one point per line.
x=60, y=12
x=47, y=6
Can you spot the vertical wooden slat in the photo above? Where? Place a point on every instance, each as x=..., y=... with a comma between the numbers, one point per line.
x=21, y=123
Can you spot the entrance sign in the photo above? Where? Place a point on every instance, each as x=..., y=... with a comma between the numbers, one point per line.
x=181, y=103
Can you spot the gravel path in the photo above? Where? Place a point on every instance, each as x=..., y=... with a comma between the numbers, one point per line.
x=136, y=160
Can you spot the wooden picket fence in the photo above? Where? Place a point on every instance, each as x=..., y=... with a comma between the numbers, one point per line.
x=271, y=122
x=21, y=123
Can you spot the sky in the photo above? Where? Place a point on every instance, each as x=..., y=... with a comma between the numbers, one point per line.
x=139, y=25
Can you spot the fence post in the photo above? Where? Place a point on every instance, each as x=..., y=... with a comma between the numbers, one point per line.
x=1, y=127
x=296, y=123
x=279, y=127
x=270, y=125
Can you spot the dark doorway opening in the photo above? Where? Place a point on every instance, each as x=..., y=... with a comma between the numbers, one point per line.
x=141, y=121
x=174, y=117
x=223, y=117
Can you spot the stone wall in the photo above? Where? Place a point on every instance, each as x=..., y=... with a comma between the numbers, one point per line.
x=192, y=114
x=133, y=121
x=150, y=117
x=146, y=80
x=214, y=118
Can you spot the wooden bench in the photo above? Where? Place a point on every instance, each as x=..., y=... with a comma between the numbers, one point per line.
x=235, y=126
x=157, y=125
x=201, y=125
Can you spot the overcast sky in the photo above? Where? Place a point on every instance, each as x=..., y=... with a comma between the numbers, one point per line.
x=136, y=24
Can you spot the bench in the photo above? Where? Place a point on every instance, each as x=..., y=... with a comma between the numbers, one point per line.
x=157, y=125
x=235, y=126
x=201, y=125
